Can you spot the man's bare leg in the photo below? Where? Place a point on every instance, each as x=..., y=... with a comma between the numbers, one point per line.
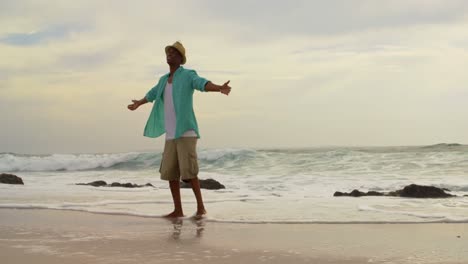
x=175, y=191
x=196, y=190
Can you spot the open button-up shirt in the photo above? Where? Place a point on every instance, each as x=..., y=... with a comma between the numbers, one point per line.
x=184, y=82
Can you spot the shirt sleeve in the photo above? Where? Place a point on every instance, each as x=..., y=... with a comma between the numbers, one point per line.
x=151, y=94
x=198, y=82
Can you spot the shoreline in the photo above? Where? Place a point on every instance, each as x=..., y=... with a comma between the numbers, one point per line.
x=59, y=236
x=240, y=222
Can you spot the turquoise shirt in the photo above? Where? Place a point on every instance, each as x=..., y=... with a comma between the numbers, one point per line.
x=184, y=83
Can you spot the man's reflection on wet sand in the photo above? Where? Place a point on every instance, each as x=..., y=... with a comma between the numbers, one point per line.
x=178, y=223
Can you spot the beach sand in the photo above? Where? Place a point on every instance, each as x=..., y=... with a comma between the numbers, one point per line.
x=53, y=236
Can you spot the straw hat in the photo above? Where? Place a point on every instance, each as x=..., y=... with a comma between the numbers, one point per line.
x=179, y=47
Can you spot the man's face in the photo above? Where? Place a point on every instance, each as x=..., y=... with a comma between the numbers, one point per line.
x=173, y=56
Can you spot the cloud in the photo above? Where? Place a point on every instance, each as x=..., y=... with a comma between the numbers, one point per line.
x=267, y=20
x=86, y=60
x=51, y=33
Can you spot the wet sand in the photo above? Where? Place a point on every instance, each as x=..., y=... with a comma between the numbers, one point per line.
x=53, y=236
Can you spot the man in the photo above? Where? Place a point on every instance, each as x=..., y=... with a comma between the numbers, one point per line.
x=173, y=114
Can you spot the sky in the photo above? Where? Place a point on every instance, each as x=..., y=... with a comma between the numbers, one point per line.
x=303, y=73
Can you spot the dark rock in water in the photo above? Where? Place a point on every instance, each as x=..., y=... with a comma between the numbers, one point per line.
x=209, y=184
x=10, y=179
x=412, y=191
x=115, y=184
x=394, y=193
x=94, y=183
x=420, y=191
x=125, y=185
x=374, y=193
x=357, y=193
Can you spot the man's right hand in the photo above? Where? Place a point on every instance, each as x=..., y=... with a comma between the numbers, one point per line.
x=134, y=106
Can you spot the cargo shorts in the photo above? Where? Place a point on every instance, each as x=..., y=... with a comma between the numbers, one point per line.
x=179, y=159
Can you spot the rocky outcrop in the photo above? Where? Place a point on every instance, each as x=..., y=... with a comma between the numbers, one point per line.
x=420, y=191
x=130, y=185
x=10, y=179
x=208, y=184
x=115, y=184
x=357, y=193
x=94, y=183
x=410, y=191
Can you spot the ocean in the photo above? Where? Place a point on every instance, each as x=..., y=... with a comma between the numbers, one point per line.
x=262, y=185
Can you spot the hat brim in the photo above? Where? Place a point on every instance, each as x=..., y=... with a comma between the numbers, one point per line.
x=184, y=59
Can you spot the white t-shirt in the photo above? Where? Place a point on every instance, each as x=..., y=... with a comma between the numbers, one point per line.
x=170, y=115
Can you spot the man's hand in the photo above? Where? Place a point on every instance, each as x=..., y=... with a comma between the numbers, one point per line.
x=225, y=88
x=134, y=106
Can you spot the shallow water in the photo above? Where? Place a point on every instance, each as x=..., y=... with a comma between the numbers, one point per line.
x=262, y=185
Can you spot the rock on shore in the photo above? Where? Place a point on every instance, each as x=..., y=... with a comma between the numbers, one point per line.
x=410, y=191
x=115, y=184
x=10, y=179
x=208, y=184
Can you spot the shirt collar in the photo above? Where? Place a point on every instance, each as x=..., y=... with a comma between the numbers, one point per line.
x=178, y=69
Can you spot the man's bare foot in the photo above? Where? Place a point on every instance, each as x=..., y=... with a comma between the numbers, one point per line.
x=174, y=215
x=200, y=213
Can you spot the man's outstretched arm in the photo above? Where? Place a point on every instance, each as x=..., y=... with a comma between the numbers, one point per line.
x=225, y=88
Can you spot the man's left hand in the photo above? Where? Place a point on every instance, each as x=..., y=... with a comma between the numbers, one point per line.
x=225, y=88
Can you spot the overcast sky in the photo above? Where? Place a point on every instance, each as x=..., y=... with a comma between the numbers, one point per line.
x=303, y=73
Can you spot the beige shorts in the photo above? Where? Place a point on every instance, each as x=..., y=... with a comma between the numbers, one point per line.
x=179, y=159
